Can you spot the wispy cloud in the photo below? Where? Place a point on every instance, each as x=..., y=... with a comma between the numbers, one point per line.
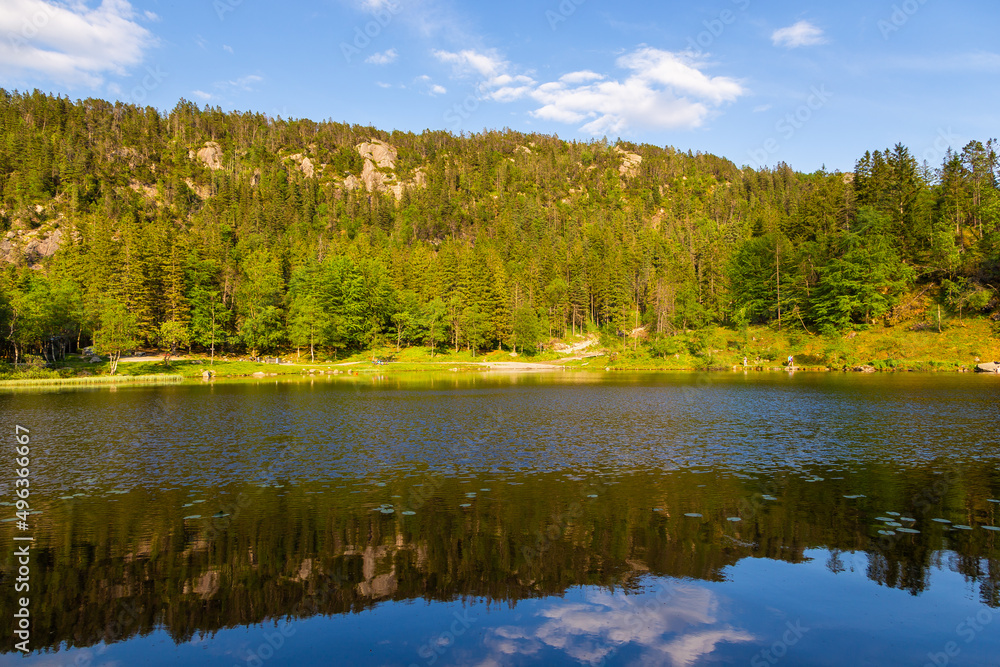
x=800, y=34
x=980, y=61
x=70, y=42
x=243, y=83
x=427, y=84
x=202, y=95
x=383, y=58
x=496, y=79
x=663, y=90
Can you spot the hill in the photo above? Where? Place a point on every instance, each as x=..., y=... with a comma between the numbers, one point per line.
x=197, y=228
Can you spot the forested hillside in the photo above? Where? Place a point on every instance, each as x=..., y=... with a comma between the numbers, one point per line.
x=247, y=233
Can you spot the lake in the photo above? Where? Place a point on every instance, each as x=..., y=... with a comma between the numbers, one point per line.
x=533, y=519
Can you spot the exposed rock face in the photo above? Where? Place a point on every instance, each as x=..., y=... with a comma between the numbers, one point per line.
x=380, y=156
x=379, y=152
x=991, y=367
x=32, y=246
x=211, y=155
x=630, y=163
x=306, y=165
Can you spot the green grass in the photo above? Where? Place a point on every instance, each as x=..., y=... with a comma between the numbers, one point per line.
x=94, y=380
x=890, y=349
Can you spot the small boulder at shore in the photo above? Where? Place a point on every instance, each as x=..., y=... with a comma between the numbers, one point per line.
x=990, y=367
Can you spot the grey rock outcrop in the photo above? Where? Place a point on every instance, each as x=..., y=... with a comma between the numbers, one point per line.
x=377, y=174
x=989, y=367
x=32, y=246
x=211, y=155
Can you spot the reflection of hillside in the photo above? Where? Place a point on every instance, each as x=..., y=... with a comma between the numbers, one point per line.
x=107, y=571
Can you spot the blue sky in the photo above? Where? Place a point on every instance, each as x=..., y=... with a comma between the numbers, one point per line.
x=805, y=83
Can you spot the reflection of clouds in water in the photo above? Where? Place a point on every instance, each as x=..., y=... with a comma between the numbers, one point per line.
x=665, y=624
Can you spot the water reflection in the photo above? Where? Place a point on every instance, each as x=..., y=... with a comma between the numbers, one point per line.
x=300, y=551
x=678, y=625
x=595, y=521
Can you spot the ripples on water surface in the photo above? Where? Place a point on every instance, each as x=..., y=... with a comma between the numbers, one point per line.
x=570, y=519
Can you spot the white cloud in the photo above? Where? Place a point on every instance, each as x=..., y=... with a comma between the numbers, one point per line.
x=244, y=83
x=681, y=630
x=581, y=77
x=762, y=108
x=437, y=89
x=376, y=5
x=71, y=43
x=496, y=81
x=664, y=90
x=383, y=84
x=201, y=95
x=802, y=33
x=383, y=58
x=227, y=48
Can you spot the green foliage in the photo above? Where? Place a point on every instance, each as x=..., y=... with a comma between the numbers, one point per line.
x=490, y=240
x=117, y=331
x=526, y=332
x=861, y=285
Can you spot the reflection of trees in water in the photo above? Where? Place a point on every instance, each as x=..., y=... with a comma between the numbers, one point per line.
x=139, y=566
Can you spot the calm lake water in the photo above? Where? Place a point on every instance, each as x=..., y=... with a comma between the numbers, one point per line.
x=654, y=519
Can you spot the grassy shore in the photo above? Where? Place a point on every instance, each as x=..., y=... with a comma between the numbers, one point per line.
x=94, y=380
x=958, y=347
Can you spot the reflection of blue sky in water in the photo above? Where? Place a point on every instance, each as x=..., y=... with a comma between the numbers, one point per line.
x=669, y=625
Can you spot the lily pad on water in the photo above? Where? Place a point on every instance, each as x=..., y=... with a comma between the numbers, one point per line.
x=466, y=505
x=693, y=515
x=60, y=498
x=592, y=495
x=734, y=519
x=960, y=527
x=893, y=513
x=193, y=516
x=887, y=533
x=993, y=528
x=219, y=515
x=407, y=512
x=907, y=519
x=379, y=483
x=913, y=531
x=894, y=524
x=485, y=489
x=470, y=494
x=941, y=520
x=387, y=510
x=855, y=497
x=882, y=518
x=768, y=497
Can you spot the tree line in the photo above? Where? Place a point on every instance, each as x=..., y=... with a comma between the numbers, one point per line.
x=511, y=239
